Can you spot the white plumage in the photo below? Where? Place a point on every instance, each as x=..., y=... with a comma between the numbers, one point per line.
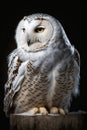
x=43, y=71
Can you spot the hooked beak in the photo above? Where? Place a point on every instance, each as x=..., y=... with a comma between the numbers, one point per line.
x=28, y=42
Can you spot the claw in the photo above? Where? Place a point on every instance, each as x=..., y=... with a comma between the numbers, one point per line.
x=43, y=111
x=33, y=111
x=61, y=111
x=55, y=110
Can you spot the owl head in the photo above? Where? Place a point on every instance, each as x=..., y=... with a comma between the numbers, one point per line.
x=37, y=31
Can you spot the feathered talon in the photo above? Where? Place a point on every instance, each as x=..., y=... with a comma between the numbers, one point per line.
x=55, y=110
x=61, y=111
x=43, y=111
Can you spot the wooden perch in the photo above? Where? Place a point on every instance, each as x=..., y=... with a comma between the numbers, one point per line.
x=71, y=121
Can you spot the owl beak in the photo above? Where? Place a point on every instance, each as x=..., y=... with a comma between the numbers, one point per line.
x=28, y=42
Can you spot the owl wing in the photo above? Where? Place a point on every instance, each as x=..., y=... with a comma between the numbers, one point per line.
x=76, y=72
x=77, y=57
x=16, y=70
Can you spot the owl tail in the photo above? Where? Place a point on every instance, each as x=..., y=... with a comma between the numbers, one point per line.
x=8, y=102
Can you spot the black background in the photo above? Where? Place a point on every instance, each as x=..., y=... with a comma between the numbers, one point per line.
x=72, y=16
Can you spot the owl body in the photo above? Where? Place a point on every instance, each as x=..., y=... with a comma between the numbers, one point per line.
x=44, y=69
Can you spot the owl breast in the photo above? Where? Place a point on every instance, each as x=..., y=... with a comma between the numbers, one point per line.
x=41, y=88
x=34, y=90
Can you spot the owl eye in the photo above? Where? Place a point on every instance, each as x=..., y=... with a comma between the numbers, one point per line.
x=23, y=29
x=39, y=29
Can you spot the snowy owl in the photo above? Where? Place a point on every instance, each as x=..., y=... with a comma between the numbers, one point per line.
x=44, y=69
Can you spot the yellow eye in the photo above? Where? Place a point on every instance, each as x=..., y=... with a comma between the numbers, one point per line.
x=39, y=29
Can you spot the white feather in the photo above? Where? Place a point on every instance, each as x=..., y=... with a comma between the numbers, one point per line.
x=20, y=76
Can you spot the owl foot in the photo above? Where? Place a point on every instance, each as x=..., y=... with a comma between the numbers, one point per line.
x=61, y=111
x=33, y=111
x=55, y=110
x=43, y=111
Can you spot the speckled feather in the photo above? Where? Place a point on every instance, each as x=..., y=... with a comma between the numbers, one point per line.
x=46, y=77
